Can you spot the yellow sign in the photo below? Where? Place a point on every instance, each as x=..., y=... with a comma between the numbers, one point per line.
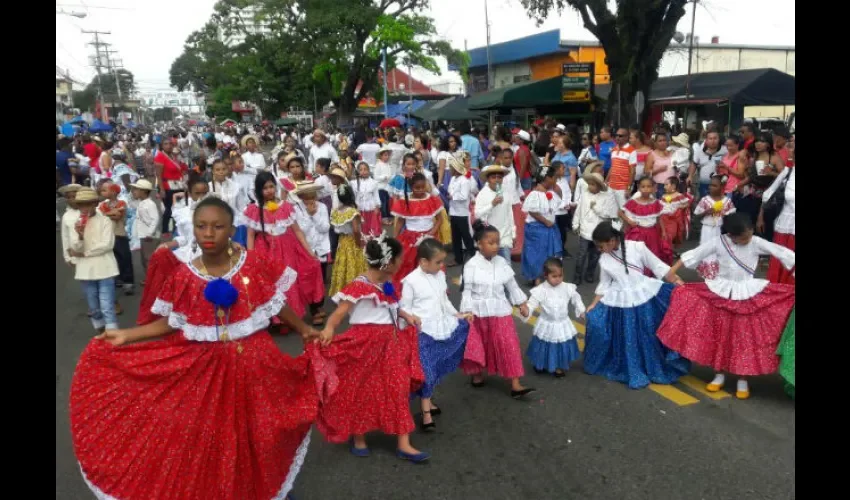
x=575, y=95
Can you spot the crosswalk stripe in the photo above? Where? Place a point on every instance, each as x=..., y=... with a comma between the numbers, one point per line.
x=677, y=396
x=698, y=385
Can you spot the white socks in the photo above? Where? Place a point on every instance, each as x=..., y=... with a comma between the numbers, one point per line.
x=743, y=386
x=719, y=379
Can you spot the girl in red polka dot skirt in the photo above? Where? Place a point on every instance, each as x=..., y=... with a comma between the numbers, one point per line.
x=734, y=321
x=377, y=359
x=213, y=410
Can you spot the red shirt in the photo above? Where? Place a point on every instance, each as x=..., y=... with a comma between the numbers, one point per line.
x=93, y=152
x=517, y=165
x=171, y=170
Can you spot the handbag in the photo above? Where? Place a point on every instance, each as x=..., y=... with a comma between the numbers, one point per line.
x=773, y=206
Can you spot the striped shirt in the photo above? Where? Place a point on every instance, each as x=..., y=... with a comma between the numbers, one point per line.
x=618, y=176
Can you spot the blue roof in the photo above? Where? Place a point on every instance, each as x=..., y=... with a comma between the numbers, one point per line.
x=548, y=42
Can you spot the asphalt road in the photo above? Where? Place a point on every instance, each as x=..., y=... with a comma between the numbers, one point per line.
x=580, y=437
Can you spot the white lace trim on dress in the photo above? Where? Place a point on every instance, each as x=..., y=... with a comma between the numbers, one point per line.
x=275, y=228
x=340, y=297
x=258, y=320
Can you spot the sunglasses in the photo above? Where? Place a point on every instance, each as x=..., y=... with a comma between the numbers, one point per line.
x=621, y=135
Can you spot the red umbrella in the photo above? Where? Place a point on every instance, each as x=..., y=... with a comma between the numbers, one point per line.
x=389, y=122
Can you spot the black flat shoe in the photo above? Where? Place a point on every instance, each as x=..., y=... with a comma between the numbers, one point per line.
x=560, y=374
x=436, y=411
x=475, y=384
x=428, y=427
x=522, y=393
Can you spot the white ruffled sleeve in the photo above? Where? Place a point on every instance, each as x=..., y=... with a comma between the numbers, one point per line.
x=575, y=300
x=605, y=282
x=650, y=260
x=534, y=301
x=407, y=297
x=787, y=257
x=535, y=202
x=515, y=293
x=692, y=258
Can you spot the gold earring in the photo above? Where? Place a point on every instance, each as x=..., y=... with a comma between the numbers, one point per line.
x=230, y=247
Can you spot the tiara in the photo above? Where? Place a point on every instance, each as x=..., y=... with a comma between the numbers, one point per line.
x=386, y=254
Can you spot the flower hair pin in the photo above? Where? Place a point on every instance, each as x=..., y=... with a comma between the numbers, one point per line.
x=386, y=254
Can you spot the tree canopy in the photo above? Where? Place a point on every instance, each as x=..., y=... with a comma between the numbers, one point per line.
x=634, y=37
x=85, y=99
x=312, y=50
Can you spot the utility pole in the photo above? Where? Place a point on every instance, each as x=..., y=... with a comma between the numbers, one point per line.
x=490, y=83
x=409, y=92
x=113, y=65
x=690, y=60
x=98, y=64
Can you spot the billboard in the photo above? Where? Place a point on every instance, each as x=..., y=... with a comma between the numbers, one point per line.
x=577, y=82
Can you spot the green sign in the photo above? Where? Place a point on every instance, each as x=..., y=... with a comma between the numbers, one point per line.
x=577, y=82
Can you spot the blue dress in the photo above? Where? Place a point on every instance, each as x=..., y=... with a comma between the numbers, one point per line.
x=554, y=345
x=621, y=341
x=539, y=241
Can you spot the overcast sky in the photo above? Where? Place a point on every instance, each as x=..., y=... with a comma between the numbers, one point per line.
x=149, y=35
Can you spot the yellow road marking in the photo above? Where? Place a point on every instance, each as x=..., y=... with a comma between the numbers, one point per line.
x=677, y=396
x=699, y=386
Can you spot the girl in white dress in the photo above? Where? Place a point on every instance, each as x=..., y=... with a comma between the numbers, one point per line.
x=554, y=346
x=368, y=200
x=712, y=209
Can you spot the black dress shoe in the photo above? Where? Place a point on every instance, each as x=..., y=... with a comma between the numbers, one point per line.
x=522, y=393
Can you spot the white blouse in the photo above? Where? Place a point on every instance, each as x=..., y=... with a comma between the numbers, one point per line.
x=316, y=228
x=425, y=295
x=554, y=323
x=231, y=192
x=368, y=310
x=537, y=202
x=737, y=265
x=564, y=184
x=460, y=194
x=621, y=289
x=489, y=287
x=706, y=206
x=511, y=189
x=786, y=220
x=366, y=194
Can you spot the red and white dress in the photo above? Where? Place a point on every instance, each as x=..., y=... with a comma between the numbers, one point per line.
x=191, y=416
x=733, y=322
x=369, y=204
x=418, y=215
x=377, y=362
x=648, y=230
x=712, y=222
x=275, y=240
x=785, y=225
x=675, y=214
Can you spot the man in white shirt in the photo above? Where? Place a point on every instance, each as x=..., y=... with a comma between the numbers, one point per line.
x=490, y=207
x=398, y=151
x=253, y=158
x=321, y=149
x=368, y=151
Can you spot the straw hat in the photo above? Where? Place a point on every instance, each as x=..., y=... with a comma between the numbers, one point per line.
x=682, y=140
x=493, y=169
x=596, y=178
x=244, y=141
x=142, y=184
x=85, y=195
x=302, y=187
x=339, y=172
x=70, y=188
x=96, y=138
x=384, y=149
x=457, y=164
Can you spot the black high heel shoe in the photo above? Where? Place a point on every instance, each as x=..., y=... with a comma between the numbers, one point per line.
x=475, y=384
x=431, y=427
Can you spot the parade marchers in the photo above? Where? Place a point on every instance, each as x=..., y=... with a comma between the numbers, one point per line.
x=250, y=246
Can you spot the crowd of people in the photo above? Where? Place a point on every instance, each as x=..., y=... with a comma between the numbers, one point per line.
x=232, y=243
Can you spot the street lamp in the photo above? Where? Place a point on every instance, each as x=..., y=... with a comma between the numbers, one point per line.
x=79, y=15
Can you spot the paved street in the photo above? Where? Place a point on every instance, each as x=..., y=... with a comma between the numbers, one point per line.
x=581, y=437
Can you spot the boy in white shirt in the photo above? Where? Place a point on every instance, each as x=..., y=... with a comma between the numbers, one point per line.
x=382, y=174
x=461, y=189
x=148, y=223
x=491, y=207
x=595, y=205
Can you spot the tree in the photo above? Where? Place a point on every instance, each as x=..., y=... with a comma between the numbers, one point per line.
x=314, y=49
x=634, y=38
x=86, y=99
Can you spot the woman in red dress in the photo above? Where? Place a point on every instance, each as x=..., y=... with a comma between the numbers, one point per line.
x=377, y=358
x=213, y=410
x=169, y=179
x=641, y=215
x=420, y=214
x=274, y=233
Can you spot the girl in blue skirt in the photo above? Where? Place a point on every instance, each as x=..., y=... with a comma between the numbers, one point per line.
x=620, y=342
x=542, y=237
x=444, y=332
x=554, y=345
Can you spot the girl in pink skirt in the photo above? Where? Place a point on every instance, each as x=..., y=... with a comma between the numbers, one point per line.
x=368, y=201
x=486, y=279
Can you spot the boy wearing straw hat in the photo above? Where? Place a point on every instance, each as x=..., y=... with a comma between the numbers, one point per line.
x=91, y=244
x=146, y=227
x=595, y=205
x=490, y=207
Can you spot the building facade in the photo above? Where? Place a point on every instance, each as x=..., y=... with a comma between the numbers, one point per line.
x=64, y=98
x=251, y=23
